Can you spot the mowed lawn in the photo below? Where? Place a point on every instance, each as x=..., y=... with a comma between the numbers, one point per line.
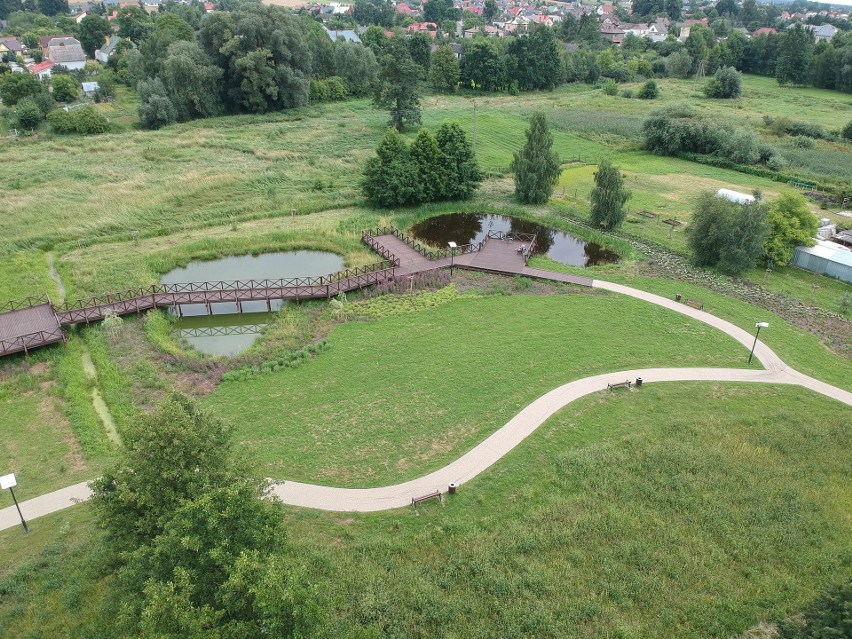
x=689, y=510
x=401, y=396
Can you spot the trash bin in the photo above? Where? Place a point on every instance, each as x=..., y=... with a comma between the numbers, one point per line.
x=677, y=297
x=452, y=488
x=638, y=382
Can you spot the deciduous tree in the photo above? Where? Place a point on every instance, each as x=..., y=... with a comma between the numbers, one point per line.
x=536, y=166
x=93, y=33
x=728, y=235
x=608, y=196
x=398, y=89
x=791, y=224
x=445, y=71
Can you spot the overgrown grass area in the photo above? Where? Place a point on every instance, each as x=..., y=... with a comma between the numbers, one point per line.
x=676, y=510
x=399, y=397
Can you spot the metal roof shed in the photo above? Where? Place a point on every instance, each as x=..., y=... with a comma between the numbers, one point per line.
x=826, y=258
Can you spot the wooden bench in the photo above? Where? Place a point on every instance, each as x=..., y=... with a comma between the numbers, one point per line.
x=417, y=500
x=626, y=384
x=698, y=304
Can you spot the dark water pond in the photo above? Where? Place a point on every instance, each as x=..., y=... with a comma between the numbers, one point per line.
x=226, y=332
x=468, y=228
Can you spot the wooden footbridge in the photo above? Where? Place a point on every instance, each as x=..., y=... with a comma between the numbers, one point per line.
x=35, y=321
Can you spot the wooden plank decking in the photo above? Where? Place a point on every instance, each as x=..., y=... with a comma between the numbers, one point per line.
x=28, y=326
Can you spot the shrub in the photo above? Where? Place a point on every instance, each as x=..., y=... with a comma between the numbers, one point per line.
x=727, y=83
x=331, y=89
x=60, y=121
x=846, y=134
x=649, y=91
x=28, y=113
x=610, y=87
x=827, y=617
x=741, y=146
x=89, y=121
x=776, y=162
x=65, y=88
x=803, y=142
x=627, y=93
x=844, y=302
x=808, y=130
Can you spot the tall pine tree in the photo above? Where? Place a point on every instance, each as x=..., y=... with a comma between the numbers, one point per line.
x=536, y=166
x=608, y=196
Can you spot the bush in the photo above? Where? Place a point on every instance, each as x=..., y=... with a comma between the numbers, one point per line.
x=846, y=134
x=65, y=88
x=28, y=113
x=776, y=162
x=60, y=121
x=807, y=129
x=331, y=89
x=741, y=146
x=627, y=93
x=727, y=83
x=85, y=120
x=89, y=121
x=649, y=91
x=610, y=87
x=803, y=142
x=826, y=618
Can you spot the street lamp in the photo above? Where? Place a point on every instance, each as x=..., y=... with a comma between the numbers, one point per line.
x=758, y=326
x=453, y=246
x=8, y=481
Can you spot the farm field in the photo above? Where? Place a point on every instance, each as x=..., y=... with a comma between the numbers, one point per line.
x=692, y=510
x=627, y=514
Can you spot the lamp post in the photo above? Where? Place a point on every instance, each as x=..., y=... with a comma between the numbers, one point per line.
x=8, y=481
x=758, y=326
x=453, y=247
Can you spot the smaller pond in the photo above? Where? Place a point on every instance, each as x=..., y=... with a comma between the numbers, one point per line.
x=226, y=332
x=471, y=228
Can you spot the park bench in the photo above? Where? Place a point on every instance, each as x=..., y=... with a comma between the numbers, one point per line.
x=698, y=304
x=626, y=384
x=417, y=500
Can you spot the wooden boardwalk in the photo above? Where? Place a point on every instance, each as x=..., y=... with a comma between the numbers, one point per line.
x=34, y=322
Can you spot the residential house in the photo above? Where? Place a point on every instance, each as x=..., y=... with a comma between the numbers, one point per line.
x=103, y=54
x=487, y=30
x=43, y=41
x=10, y=45
x=80, y=17
x=426, y=27
x=344, y=35
x=41, y=70
x=66, y=51
x=453, y=45
x=824, y=32
x=405, y=10
x=767, y=31
x=613, y=34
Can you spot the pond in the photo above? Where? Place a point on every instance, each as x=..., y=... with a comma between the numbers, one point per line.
x=469, y=228
x=226, y=332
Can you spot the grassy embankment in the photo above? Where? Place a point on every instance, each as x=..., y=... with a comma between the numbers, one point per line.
x=636, y=514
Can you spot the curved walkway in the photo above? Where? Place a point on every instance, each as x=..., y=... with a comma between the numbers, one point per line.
x=482, y=456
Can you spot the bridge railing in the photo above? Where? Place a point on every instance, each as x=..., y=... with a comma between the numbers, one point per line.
x=24, y=302
x=153, y=290
x=30, y=340
x=426, y=251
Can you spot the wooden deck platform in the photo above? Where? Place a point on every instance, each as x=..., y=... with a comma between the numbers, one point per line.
x=26, y=328
x=35, y=322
